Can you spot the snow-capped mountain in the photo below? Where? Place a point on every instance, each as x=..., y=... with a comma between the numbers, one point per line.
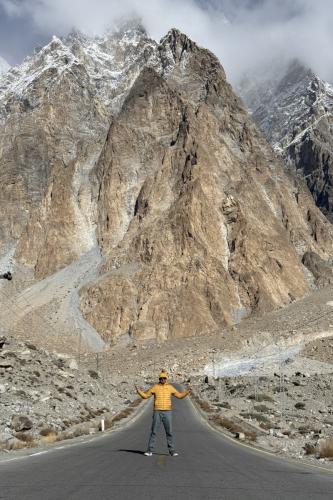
x=4, y=66
x=294, y=109
x=111, y=63
x=140, y=152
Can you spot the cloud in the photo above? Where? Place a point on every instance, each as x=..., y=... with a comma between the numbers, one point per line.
x=258, y=32
x=95, y=16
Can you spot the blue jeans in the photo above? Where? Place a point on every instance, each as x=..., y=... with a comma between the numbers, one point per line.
x=164, y=417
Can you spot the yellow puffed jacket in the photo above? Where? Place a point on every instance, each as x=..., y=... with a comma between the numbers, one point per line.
x=162, y=395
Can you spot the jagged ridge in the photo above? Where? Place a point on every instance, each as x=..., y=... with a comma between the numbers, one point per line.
x=143, y=150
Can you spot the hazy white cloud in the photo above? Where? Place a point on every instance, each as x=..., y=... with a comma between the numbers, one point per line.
x=94, y=16
x=258, y=31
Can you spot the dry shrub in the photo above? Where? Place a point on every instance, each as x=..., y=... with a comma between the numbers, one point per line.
x=262, y=408
x=204, y=405
x=64, y=436
x=16, y=445
x=25, y=437
x=81, y=431
x=257, y=416
x=233, y=426
x=13, y=445
x=135, y=403
x=108, y=423
x=47, y=431
x=304, y=429
x=261, y=397
x=122, y=414
x=310, y=449
x=326, y=448
x=267, y=425
x=48, y=435
x=50, y=438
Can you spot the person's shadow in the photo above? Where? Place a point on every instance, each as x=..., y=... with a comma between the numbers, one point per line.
x=140, y=452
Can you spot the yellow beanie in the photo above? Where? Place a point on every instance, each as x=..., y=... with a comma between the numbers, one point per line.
x=163, y=375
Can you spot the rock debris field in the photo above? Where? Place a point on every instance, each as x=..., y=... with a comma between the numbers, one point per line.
x=290, y=414
x=45, y=397
x=268, y=379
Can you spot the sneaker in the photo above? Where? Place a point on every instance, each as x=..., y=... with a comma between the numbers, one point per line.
x=173, y=453
x=148, y=453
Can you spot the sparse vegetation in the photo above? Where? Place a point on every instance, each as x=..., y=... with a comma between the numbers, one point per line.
x=261, y=397
x=108, y=423
x=15, y=445
x=310, y=449
x=135, y=403
x=267, y=425
x=256, y=416
x=47, y=431
x=326, y=448
x=222, y=421
x=25, y=437
x=262, y=408
x=204, y=405
x=123, y=414
x=51, y=438
x=233, y=426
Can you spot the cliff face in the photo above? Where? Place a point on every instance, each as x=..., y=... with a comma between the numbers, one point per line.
x=295, y=112
x=198, y=221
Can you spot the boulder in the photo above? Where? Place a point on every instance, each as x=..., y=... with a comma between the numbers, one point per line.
x=31, y=346
x=72, y=364
x=322, y=270
x=240, y=435
x=21, y=423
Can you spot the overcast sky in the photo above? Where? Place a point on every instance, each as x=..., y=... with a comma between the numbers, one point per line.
x=243, y=33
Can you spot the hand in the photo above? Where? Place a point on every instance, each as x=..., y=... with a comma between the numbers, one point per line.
x=137, y=388
x=189, y=390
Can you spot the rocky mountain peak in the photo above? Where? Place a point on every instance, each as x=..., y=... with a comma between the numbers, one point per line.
x=133, y=149
x=295, y=112
x=179, y=44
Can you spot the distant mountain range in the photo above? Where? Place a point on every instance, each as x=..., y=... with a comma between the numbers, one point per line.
x=294, y=109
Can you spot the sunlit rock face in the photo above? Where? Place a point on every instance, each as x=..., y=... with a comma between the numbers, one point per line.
x=143, y=151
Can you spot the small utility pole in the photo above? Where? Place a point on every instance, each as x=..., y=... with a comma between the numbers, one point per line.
x=282, y=385
x=79, y=349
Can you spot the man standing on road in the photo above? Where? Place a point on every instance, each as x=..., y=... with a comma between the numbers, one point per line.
x=162, y=392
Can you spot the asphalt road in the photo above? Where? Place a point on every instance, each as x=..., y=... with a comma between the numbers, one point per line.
x=208, y=467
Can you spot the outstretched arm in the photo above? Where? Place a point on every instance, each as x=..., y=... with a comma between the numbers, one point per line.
x=144, y=394
x=181, y=395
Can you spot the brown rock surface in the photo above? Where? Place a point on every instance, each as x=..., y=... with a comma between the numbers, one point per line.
x=199, y=223
x=195, y=182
